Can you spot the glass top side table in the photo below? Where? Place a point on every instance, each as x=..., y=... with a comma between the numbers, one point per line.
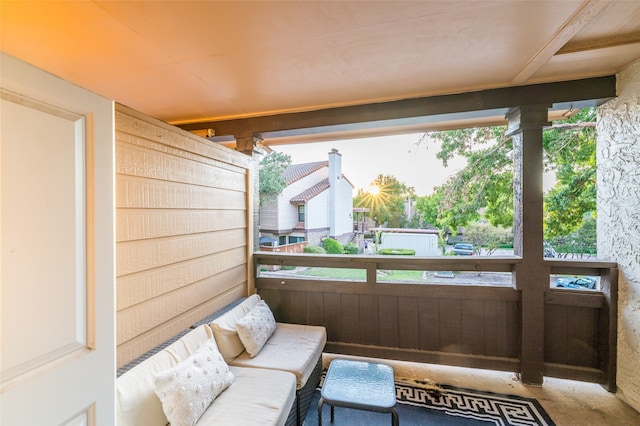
x=360, y=385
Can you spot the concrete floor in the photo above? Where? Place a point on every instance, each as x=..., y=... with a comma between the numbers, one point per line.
x=568, y=402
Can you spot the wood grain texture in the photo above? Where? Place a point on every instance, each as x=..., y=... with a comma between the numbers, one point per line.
x=477, y=326
x=183, y=230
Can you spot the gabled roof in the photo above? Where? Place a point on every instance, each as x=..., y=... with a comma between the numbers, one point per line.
x=316, y=189
x=308, y=194
x=297, y=171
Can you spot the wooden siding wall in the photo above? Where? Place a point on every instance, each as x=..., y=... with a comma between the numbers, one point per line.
x=182, y=241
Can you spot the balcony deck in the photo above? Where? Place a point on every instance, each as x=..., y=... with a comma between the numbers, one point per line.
x=568, y=402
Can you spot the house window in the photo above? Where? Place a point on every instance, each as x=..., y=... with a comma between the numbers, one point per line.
x=301, y=213
x=282, y=240
x=293, y=240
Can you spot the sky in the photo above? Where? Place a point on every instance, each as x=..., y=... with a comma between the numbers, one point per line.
x=365, y=158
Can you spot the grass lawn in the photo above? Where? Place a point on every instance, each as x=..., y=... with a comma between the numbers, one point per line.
x=406, y=276
x=360, y=274
x=336, y=273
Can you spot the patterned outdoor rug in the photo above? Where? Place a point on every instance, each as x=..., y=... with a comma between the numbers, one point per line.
x=423, y=403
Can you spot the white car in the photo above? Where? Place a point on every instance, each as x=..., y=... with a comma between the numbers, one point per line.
x=463, y=249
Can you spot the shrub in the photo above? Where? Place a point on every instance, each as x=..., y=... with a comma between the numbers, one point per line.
x=315, y=250
x=351, y=248
x=396, y=252
x=332, y=246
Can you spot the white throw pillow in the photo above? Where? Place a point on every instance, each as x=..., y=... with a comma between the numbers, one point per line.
x=225, y=332
x=255, y=328
x=188, y=389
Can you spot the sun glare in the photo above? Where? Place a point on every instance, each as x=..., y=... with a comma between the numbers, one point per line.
x=373, y=190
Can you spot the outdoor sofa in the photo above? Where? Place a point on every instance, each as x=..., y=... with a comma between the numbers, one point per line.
x=221, y=360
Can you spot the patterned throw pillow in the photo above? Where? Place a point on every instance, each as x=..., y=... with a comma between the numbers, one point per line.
x=225, y=331
x=255, y=328
x=187, y=389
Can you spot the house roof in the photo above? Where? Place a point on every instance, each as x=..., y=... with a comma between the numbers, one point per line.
x=297, y=171
x=186, y=62
x=308, y=194
x=316, y=189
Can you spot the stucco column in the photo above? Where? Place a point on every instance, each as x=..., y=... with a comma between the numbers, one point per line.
x=525, y=125
x=618, y=180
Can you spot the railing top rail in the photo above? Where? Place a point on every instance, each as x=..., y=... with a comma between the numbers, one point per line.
x=432, y=263
x=577, y=263
x=435, y=263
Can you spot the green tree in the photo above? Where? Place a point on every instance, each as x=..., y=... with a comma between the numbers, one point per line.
x=570, y=148
x=485, y=183
x=387, y=205
x=486, y=236
x=271, y=177
x=484, y=187
x=580, y=243
x=585, y=237
x=428, y=208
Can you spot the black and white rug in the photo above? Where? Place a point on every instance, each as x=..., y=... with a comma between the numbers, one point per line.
x=427, y=404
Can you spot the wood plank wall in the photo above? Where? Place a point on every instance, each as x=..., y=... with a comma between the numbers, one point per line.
x=574, y=335
x=182, y=240
x=571, y=335
x=475, y=326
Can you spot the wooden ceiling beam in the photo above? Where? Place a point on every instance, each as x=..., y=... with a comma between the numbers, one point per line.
x=601, y=43
x=576, y=93
x=585, y=14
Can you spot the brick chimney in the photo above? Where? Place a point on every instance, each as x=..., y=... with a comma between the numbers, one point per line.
x=335, y=174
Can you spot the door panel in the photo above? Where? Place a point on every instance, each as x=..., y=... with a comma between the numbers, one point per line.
x=57, y=270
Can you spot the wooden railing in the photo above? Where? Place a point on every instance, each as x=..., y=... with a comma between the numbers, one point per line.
x=286, y=248
x=580, y=330
x=455, y=324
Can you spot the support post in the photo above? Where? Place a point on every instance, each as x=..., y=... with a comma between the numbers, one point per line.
x=252, y=146
x=608, y=329
x=525, y=125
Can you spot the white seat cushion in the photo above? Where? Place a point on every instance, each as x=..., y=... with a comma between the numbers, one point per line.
x=224, y=328
x=137, y=403
x=292, y=347
x=256, y=397
x=188, y=344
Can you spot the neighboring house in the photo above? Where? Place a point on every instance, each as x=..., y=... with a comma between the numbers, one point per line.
x=316, y=203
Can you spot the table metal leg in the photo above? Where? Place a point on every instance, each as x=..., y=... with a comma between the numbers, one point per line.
x=331, y=413
x=320, y=403
x=394, y=417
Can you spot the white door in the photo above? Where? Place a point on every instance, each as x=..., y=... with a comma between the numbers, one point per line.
x=57, y=344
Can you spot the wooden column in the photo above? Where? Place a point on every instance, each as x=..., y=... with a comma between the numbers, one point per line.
x=608, y=329
x=525, y=125
x=252, y=146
